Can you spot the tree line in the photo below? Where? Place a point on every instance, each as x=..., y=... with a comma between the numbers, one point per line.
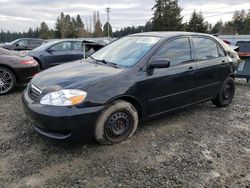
x=65, y=27
x=166, y=17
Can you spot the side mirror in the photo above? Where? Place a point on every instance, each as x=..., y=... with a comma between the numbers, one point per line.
x=50, y=51
x=17, y=44
x=159, y=64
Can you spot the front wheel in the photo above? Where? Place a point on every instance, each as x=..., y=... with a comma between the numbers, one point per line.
x=7, y=81
x=117, y=123
x=226, y=94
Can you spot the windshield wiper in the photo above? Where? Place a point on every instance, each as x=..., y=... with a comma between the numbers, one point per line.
x=106, y=62
x=94, y=60
x=110, y=63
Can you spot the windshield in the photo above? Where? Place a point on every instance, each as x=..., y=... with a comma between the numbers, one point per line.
x=126, y=51
x=13, y=42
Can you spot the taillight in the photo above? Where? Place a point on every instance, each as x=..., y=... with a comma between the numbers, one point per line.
x=227, y=42
x=28, y=62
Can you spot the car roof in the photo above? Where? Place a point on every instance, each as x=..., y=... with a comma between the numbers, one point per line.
x=167, y=34
x=30, y=39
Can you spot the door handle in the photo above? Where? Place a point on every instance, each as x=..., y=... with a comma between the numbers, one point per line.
x=191, y=69
x=223, y=62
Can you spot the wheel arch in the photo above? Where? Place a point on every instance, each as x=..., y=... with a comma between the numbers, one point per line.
x=39, y=62
x=132, y=100
x=11, y=69
x=232, y=75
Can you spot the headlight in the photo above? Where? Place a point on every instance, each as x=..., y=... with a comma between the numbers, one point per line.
x=66, y=97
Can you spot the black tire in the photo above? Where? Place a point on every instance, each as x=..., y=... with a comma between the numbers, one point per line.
x=226, y=94
x=7, y=81
x=117, y=123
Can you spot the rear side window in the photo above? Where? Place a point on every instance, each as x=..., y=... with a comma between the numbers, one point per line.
x=178, y=51
x=35, y=42
x=76, y=46
x=207, y=49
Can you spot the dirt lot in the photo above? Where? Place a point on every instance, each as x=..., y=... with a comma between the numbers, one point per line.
x=201, y=146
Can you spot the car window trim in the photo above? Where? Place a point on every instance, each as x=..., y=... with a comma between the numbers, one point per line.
x=210, y=38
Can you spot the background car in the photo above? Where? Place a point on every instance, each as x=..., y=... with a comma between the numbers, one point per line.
x=243, y=43
x=67, y=50
x=14, y=70
x=23, y=44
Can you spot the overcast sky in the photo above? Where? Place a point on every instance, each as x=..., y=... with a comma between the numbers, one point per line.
x=19, y=15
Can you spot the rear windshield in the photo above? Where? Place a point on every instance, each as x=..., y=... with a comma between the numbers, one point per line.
x=5, y=52
x=244, y=46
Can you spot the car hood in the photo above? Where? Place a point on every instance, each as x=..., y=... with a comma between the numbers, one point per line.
x=75, y=75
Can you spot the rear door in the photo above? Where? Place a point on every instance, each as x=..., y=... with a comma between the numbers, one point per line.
x=34, y=43
x=173, y=87
x=57, y=54
x=212, y=66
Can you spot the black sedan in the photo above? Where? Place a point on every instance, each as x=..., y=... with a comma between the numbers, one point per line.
x=15, y=69
x=63, y=51
x=133, y=79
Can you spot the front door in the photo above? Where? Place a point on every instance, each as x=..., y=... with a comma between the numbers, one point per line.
x=57, y=54
x=173, y=87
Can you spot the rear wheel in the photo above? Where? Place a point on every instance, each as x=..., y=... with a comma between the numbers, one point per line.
x=117, y=123
x=7, y=81
x=226, y=93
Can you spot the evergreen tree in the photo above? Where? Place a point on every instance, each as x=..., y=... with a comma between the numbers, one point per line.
x=80, y=27
x=148, y=26
x=246, y=29
x=197, y=23
x=167, y=16
x=44, y=31
x=218, y=28
x=69, y=27
x=97, y=26
x=61, y=26
x=107, y=30
x=239, y=21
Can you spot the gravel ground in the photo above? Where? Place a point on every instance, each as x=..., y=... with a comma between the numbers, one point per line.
x=201, y=146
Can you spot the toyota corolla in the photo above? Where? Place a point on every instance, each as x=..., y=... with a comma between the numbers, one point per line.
x=135, y=78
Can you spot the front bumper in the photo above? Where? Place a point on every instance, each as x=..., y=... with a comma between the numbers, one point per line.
x=61, y=122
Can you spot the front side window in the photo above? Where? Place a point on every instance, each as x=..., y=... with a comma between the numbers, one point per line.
x=126, y=51
x=178, y=51
x=63, y=46
x=22, y=43
x=205, y=48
